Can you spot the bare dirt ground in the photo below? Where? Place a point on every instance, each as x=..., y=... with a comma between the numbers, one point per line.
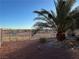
x=29, y=50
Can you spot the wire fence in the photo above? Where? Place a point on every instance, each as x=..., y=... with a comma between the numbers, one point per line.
x=18, y=35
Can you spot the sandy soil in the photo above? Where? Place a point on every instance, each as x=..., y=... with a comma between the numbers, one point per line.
x=29, y=50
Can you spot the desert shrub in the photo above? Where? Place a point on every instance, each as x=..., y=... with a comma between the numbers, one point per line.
x=43, y=40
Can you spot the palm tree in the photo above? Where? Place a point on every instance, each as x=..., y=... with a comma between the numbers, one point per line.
x=76, y=16
x=62, y=20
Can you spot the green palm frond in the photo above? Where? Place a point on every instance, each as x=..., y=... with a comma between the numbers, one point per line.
x=50, y=19
x=74, y=13
x=34, y=31
x=62, y=20
x=63, y=7
x=43, y=25
x=46, y=13
x=69, y=5
x=40, y=13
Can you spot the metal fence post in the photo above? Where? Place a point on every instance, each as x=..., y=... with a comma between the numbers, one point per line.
x=1, y=38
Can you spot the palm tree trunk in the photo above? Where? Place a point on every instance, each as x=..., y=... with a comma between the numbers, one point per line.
x=60, y=36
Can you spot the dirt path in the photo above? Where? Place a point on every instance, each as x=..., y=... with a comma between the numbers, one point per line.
x=10, y=47
x=29, y=50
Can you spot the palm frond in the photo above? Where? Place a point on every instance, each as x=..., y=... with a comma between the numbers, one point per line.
x=63, y=7
x=40, y=13
x=40, y=18
x=34, y=31
x=44, y=12
x=75, y=12
x=63, y=18
x=50, y=19
x=42, y=25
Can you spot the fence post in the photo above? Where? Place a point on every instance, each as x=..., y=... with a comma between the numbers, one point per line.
x=0, y=37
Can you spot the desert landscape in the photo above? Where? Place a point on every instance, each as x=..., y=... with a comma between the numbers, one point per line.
x=54, y=34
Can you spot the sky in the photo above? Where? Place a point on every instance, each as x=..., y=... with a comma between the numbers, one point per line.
x=18, y=14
